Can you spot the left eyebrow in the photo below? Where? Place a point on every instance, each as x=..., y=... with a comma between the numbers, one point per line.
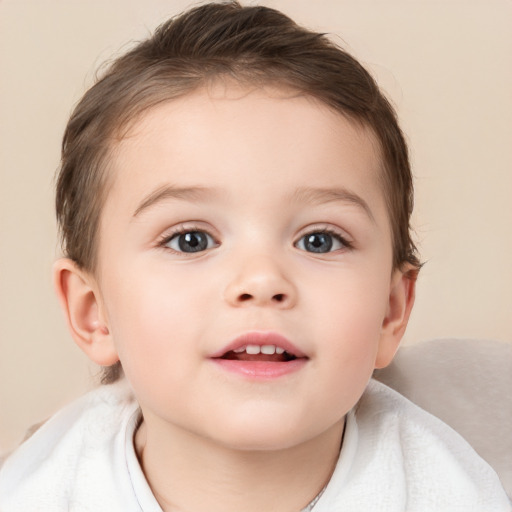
x=166, y=192
x=312, y=195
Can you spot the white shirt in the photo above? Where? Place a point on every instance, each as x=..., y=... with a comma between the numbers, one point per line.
x=395, y=458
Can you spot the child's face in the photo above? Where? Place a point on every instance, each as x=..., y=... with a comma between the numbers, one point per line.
x=248, y=217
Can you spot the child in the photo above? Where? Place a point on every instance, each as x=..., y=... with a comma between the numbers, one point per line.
x=234, y=202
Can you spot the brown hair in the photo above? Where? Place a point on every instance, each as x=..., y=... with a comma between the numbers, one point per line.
x=252, y=45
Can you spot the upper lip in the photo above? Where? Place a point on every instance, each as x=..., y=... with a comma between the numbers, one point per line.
x=260, y=338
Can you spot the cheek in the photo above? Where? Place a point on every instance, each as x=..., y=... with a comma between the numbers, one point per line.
x=151, y=322
x=354, y=306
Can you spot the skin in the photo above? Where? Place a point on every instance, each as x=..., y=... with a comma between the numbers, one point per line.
x=266, y=158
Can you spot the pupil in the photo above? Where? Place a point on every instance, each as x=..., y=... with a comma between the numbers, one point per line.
x=319, y=242
x=193, y=242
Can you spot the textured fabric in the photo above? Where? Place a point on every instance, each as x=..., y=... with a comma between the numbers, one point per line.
x=81, y=460
x=467, y=384
x=395, y=457
x=398, y=458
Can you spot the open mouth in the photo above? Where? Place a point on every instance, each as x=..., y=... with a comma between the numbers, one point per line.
x=260, y=355
x=270, y=353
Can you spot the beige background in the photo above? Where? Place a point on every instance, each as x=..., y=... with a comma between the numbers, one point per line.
x=445, y=64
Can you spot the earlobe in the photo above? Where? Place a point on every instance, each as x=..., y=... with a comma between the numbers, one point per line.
x=401, y=301
x=79, y=298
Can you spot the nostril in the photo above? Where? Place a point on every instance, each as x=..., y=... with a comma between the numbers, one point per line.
x=278, y=298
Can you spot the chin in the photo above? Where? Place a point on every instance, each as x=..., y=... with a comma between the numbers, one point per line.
x=270, y=443
x=264, y=436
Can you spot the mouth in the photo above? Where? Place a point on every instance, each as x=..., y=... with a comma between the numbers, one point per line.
x=260, y=355
x=270, y=353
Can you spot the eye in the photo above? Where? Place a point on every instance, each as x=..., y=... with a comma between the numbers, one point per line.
x=321, y=242
x=190, y=241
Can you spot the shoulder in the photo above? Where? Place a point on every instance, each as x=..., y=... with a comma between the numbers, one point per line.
x=436, y=464
x=72, y=452
x=403, y=458
x=384, y=415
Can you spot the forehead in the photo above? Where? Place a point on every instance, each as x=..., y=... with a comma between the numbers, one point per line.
x=215, y=135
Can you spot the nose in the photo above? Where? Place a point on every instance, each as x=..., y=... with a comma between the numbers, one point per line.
x=258, y=281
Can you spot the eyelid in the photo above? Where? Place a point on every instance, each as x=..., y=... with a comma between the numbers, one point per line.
x=325, y=228
x=338, y=245
x=181, y=228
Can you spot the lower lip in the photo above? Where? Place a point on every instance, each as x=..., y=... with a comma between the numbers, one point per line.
x=261, y=369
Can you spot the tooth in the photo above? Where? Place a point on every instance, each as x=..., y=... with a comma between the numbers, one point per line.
x=252, y=349
x=268, y=349
x=279, y=350
x=239, y=350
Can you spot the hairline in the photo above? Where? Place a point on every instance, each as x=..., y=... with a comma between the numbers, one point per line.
x=117, y=133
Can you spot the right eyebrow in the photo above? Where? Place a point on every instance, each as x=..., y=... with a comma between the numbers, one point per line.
x=315, y=195
x=166, y=192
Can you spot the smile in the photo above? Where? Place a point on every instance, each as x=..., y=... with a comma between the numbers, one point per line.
x=260, y=355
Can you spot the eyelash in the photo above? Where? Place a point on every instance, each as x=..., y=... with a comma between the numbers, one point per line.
x=347, y=245
x=182, y=230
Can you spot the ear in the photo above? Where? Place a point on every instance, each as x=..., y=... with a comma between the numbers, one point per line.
x=80, y=300
x=401, y=301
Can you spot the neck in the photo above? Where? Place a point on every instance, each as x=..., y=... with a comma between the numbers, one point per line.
x=186, y=472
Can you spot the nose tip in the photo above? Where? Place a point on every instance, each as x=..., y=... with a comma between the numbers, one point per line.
x=260, y=283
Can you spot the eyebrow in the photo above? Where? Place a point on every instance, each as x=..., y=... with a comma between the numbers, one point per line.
x=310, y=195
x=166, y=192
x=318, y=196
